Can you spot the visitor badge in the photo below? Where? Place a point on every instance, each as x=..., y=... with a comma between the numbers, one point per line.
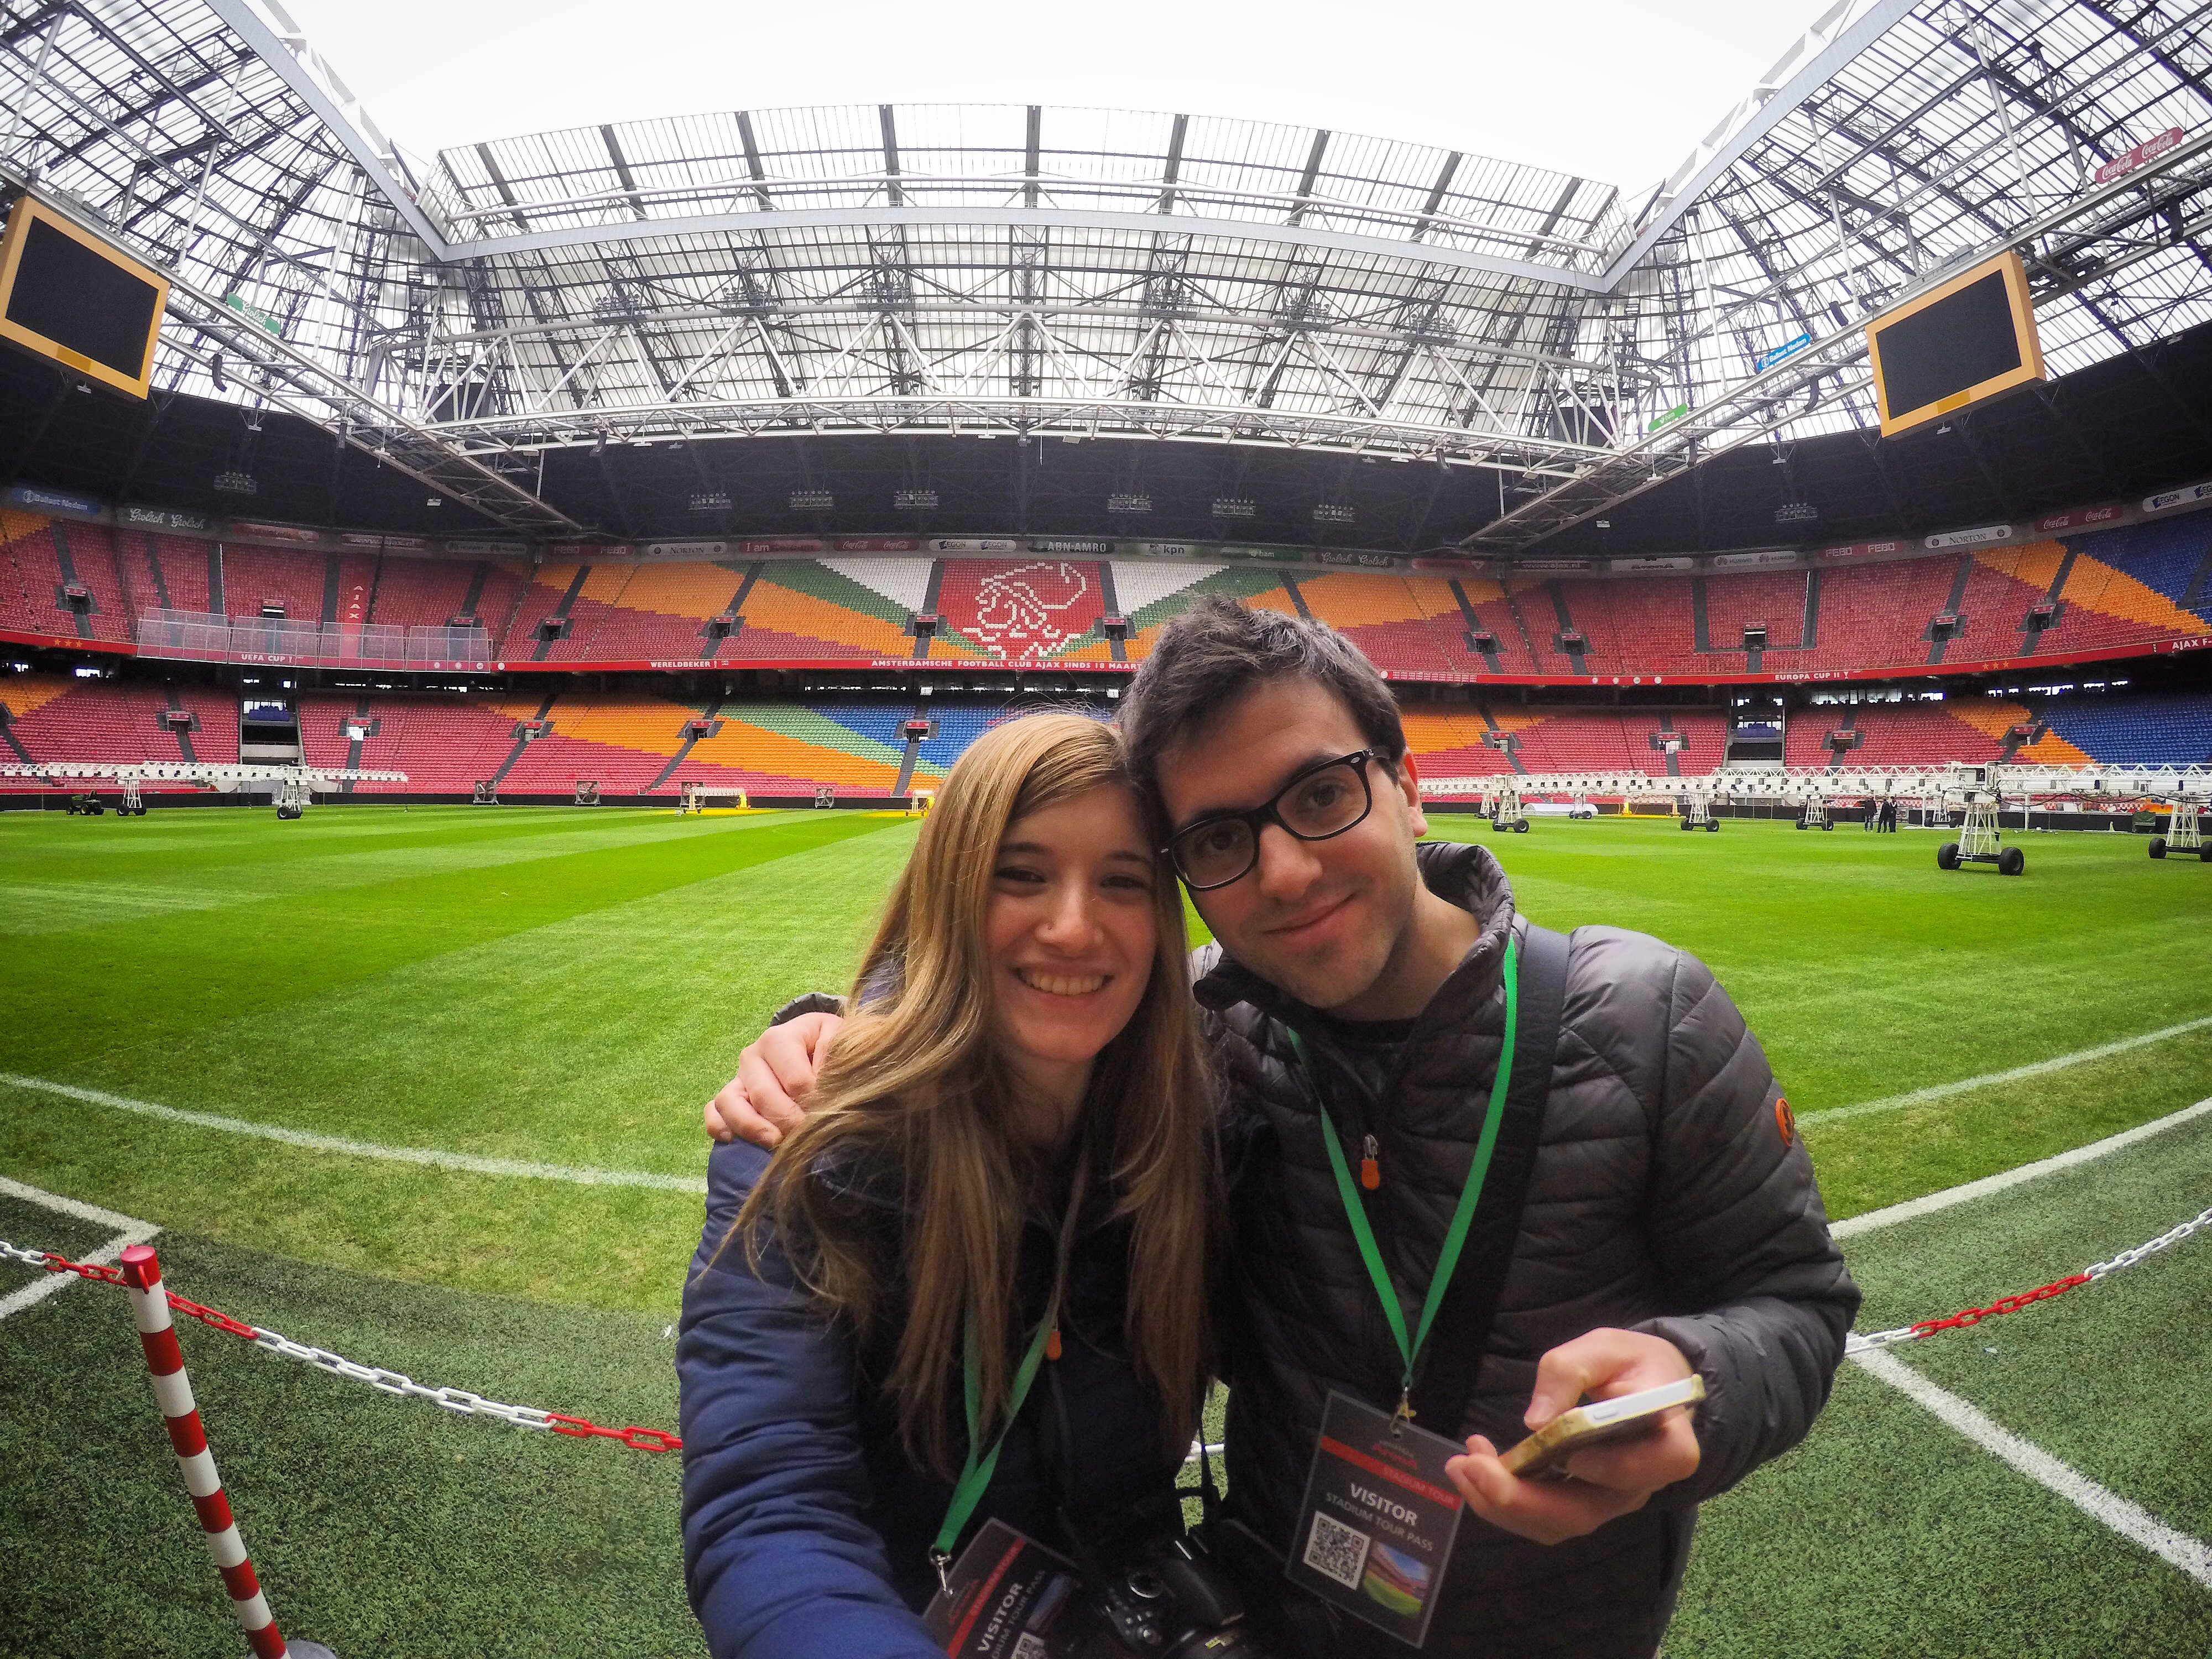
x=1375, y=1530
x=1002, y=1597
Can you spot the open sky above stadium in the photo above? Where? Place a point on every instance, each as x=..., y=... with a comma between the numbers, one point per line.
x=1602, y=89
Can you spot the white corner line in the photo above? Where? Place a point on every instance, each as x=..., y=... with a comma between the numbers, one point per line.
x=1989, y=1079
x=2132, y=1520
x=1931, y=1202
x=129, y=1231
x=71, y=1207
x=310, y=1141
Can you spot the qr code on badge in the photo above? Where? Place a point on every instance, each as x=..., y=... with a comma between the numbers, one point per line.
x=1029, y=1646
x=1336, y=1551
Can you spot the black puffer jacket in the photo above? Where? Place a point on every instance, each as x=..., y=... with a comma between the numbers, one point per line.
x=1664, y=1197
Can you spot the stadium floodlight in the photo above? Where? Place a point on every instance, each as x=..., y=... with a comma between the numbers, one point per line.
x=1123, y=501
x=1796, y=513
x=914, y=500
x=812, y=500
x=234, y=483
x=1233, y=507
x=1331, y=513
x=709, y=501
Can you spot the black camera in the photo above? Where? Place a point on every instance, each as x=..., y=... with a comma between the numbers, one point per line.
x=1173, y=1601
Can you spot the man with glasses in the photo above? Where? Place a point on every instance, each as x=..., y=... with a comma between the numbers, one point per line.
x=1653, y=1216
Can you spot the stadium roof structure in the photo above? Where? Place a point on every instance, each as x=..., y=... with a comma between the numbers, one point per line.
x=930, y=270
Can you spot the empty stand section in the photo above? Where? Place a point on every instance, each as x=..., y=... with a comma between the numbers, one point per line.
x=800, y=610
x=1995, y=599
x=53, y=719
x=1772, y=599
x=2104, y=591
x=1452, y=743
x=256, y=578
x=663, y=611
x=429, y=592
x=1384, y=616
x=63, y=579
x=1878, y=615
x=1021, y=610
x=2136, y=729
x=791, y=749
x=2172, y=557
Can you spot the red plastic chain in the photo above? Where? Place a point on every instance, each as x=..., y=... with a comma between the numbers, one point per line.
x=2003, y=1305
x=212, y=1317
x=635, y=1438
x=62, y=1264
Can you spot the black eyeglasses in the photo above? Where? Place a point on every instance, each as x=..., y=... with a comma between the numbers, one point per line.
x=1325, y=799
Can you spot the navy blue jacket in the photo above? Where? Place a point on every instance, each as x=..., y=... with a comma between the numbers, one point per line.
x=806, y=1529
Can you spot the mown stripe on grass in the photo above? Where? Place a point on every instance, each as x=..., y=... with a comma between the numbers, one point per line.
x=1990, y=1079
x=1928, y=1203
x=2132, y=1520
x=369, y=1149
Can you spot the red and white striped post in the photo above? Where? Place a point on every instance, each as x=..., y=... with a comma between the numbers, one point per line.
x=150, y=1306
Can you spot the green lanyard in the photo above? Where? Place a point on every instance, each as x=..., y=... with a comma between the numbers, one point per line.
x=975, y=1475
x=983, y=1462
x=1462, y=1217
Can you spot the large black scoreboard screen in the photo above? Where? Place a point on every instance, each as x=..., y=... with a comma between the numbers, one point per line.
x=1969, y=338
x=68, y=296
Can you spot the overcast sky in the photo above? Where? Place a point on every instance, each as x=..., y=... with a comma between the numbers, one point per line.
x=1611, y=90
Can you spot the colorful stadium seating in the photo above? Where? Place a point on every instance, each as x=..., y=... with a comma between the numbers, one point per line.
x=631, y=742
x=2112, y=589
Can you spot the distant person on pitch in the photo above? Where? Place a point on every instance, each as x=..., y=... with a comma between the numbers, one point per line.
x=1642, y=1209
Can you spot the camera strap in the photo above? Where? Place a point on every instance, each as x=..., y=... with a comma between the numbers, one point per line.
x=1411, y=1345
x=983, y=1462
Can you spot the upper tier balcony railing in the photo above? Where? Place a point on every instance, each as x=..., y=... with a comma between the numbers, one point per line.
x=203, y=637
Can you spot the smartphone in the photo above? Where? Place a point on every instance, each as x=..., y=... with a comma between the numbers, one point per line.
x=1596, y=1423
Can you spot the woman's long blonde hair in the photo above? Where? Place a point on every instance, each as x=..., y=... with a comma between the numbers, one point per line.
x=914, y=1087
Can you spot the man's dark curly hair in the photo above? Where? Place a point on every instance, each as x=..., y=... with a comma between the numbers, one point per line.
x=1210, y=657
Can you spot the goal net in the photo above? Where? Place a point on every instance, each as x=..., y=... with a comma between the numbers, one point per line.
x=711, y=797
x=1648, y=806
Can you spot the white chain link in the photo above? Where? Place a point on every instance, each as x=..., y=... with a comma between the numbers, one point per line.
x=1857, y=1343
x=462, y=1403
x=459, y=1401
x=2164, y=1241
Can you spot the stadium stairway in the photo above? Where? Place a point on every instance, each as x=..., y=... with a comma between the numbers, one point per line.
x=789, y=749
x=800, y=609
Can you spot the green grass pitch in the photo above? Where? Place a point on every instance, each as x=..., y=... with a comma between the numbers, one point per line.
x=566, y=986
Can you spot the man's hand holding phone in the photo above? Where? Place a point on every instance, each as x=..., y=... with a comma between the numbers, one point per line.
x=1604, y=1480
x=776, y=1073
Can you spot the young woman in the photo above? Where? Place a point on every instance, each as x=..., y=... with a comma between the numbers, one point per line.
x=1011, y=1131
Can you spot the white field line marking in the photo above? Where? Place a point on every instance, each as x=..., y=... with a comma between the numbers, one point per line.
x=312, y=1142
x=1931, y=1202
x=129, y=1231
x=71, y=1207
x=2132, y=1520
x=2056, y=1063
